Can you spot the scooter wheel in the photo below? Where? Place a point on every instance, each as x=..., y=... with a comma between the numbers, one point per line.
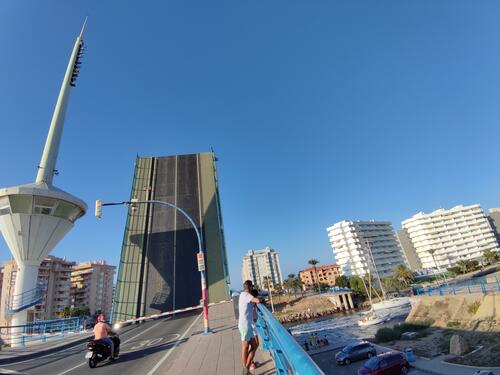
x=92, y=363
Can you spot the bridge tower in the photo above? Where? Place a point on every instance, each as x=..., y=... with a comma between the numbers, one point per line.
x=36, y=216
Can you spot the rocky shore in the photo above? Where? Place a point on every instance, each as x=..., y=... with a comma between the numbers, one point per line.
x=306, y=315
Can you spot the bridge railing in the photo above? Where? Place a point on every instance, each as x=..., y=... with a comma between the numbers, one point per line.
x=288, y=355
x=482, y=285
x=40, y=331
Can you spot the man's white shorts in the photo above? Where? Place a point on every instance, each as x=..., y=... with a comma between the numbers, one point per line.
x=247, y=332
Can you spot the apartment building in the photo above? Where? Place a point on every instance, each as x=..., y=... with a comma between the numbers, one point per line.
x=259, y=264
x=443, y=237
x=363, y=246
x=54, y=274
x=92, y=286
x=494, y=218
x=325, y=274
x=409, y=250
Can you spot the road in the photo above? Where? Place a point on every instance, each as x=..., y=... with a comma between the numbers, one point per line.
x=145, y=350
x=326, y=361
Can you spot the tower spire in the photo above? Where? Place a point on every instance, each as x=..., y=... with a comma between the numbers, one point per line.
x=46, y=169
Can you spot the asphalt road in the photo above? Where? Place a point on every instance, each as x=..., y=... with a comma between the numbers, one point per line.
x=145, y=349
x=326, y=361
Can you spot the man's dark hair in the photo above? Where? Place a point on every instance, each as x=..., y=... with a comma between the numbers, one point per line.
x=254, y=293
x=248, y=284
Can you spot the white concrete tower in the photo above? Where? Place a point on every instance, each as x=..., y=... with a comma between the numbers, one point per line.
x=35, y=217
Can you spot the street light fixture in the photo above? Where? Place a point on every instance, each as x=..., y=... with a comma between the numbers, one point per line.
x=200, y=256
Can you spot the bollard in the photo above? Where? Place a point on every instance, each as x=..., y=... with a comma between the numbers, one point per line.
x=410, y=357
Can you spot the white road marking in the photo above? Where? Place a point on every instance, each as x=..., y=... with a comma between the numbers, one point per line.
x=133, y=337
x=167, y=354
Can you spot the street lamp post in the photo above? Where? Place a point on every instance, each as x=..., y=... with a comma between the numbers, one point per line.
x=200, y=256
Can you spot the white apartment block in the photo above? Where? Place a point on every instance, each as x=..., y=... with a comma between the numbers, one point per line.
x=463, y=232
x=92, y=286
x=352, y=242
x=261, y=263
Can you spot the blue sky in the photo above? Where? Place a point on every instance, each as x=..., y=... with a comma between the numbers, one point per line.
x=318, y=110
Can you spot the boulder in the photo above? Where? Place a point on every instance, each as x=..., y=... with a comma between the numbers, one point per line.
x=458, y=345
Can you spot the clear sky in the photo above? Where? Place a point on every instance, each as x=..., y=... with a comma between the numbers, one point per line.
x=319, y=111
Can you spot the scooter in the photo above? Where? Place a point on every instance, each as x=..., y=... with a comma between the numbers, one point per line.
x=98, y=351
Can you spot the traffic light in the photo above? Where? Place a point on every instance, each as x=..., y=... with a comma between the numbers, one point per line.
x=98, y=208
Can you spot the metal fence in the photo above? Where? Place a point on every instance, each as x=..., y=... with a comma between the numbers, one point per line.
x=483, y=285
x=40, y=331
x=288, y=355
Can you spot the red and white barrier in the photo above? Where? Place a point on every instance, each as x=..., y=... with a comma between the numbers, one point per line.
x=167, y=313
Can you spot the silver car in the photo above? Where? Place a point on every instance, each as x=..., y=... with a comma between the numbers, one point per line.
x=355, y=352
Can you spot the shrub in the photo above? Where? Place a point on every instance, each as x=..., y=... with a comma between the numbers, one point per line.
x=387, y=334
x=473, y=307
x=412, y=327
x=453, y=325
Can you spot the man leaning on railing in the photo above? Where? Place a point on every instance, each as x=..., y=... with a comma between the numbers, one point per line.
x=249, y=342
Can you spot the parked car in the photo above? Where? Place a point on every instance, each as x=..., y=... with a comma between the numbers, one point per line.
x=392, y=363
x=355, y=352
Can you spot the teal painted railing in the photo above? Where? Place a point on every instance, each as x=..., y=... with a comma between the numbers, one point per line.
x=288, y=355
x=483, y=285
x=40, y=331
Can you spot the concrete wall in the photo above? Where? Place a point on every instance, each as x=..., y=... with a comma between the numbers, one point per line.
x=458, y=311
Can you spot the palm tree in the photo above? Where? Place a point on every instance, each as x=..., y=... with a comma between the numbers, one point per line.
x=291, y=283
x=297, y=282
x=313, y=263
x=403, y=274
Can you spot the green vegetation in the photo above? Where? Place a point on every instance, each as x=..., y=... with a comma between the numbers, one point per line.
x=491, y=257
x=313, y=263
x=464, y=266
x=342, y=282
x=73, y=312
x=473, y=307
x=452, y=324
x=402, y=278
x=386, y=334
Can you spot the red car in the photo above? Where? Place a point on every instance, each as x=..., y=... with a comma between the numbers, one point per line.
x=392, y=363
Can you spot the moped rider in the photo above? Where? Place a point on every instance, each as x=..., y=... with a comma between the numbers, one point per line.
x=101, y=331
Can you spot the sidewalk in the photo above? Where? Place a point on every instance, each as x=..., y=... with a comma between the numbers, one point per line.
x=216, y=354
x=437, y=365
x=10, y=355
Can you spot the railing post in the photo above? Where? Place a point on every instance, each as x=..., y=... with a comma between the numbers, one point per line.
x=483, y=289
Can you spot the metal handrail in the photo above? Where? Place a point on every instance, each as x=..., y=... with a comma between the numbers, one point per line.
x=24, y=300
x=40, y=331
x=480, y=285
x=288, y=355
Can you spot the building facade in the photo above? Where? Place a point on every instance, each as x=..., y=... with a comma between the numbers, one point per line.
x=363, y=246
x=409, y=250
x=325, y=274
x=55, y=275
x=462, y=232
x=494, y=218
x=92, y=286
x=259, y=264
x=158, y=268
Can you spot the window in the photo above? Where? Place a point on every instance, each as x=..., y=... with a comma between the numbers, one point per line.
x=44, y=205
x=21, y=204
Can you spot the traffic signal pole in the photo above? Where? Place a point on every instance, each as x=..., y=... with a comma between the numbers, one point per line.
x=200, y=255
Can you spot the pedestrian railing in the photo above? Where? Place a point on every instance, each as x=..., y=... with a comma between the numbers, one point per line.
x=24, y=300
x=288, y=355
x=40, y=331
x=483, y=285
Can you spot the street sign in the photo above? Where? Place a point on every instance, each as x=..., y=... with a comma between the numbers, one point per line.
x=201, y=262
